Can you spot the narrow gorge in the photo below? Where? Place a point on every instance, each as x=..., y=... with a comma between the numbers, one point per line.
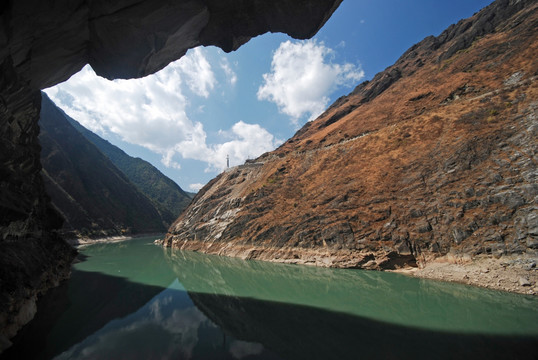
x=433, y=160
x=44, y=43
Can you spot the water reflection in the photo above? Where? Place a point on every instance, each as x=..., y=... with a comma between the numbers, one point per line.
x=138, y=301
x=379, y=296
x=167, y=327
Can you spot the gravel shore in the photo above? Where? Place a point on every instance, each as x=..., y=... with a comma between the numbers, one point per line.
x=514, y=273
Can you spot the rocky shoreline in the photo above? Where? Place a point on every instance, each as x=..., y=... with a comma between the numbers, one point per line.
x=85, y=241
x=515, y=273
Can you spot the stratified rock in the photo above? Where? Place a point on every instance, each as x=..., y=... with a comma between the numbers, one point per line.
x=433, y=156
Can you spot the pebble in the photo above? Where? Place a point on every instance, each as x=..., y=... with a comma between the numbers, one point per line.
x=524, y=282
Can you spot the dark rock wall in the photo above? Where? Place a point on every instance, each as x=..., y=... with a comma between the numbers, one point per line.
x=50, y=40
x=45, y=42
x=94, y=196
x=32, y=257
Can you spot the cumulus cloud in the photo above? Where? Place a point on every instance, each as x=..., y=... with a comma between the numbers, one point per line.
x=152, y=112
x=196, y=187
x=148, y=111
x=302, y=77
x=244, y=141
x=228, y=71
x=247, y=141
x=197, y=70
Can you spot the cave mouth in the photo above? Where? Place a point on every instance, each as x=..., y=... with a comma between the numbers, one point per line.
x=43, y=45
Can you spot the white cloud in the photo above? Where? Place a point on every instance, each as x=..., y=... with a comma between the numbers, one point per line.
x=245, y=141
x=303, y=76
x=152, y=112
x=197, y=70
x=230, y=74
x=196, y=187
x=148, y=111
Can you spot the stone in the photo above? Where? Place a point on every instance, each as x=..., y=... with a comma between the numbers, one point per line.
x=532, y=223
x=524, y=282
x=459, y=235
x=510, y=199
x=532, y=243
x=424, y=227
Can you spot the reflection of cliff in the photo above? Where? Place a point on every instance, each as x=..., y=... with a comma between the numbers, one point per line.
x=385, y=297
x=316, y=313
x=300, y=332
x=82, y=306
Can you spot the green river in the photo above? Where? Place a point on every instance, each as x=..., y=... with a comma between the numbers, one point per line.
x=136, y=300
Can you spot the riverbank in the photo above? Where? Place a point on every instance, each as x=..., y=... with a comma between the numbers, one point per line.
x=516, y=273
x=79, y=242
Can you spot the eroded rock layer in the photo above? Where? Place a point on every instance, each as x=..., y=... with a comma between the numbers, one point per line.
x=45, y=42
x=436, y=155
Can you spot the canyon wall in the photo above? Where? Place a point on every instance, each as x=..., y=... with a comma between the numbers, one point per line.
x=45, y=42
x=435, y=156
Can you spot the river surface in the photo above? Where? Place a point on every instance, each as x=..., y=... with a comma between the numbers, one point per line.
x=136, y=300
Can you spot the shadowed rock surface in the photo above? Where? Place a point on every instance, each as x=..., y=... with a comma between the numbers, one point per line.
x=435, y=156
x=45, y=42
x=169, y=199
x=95, y=197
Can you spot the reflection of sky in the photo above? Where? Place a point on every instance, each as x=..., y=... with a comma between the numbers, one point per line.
x=135, y=300
x=168, y=325
x=381, y=296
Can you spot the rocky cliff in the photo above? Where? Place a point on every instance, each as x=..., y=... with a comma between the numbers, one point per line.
x=434, y=157
x=95, y=198
x=45, y=42
x=169, y=199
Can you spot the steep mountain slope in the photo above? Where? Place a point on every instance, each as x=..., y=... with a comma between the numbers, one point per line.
x=93, y=195
x=167, y=196
x=436, y=156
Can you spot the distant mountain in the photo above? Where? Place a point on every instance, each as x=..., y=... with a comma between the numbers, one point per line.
x=93, y=195
x=167, y=196
x=191, y=194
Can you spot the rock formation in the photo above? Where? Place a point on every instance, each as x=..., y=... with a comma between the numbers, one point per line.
x=43, y=43
x=434, y=156
x=95, y=197
x=169, y=199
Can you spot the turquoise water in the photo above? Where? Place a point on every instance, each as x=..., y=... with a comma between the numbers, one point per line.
x=135, y=300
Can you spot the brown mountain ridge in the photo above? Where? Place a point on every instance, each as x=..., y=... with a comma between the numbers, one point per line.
x=432, y=160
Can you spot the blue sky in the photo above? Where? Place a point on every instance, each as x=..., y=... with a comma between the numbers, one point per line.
x=189, y=116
